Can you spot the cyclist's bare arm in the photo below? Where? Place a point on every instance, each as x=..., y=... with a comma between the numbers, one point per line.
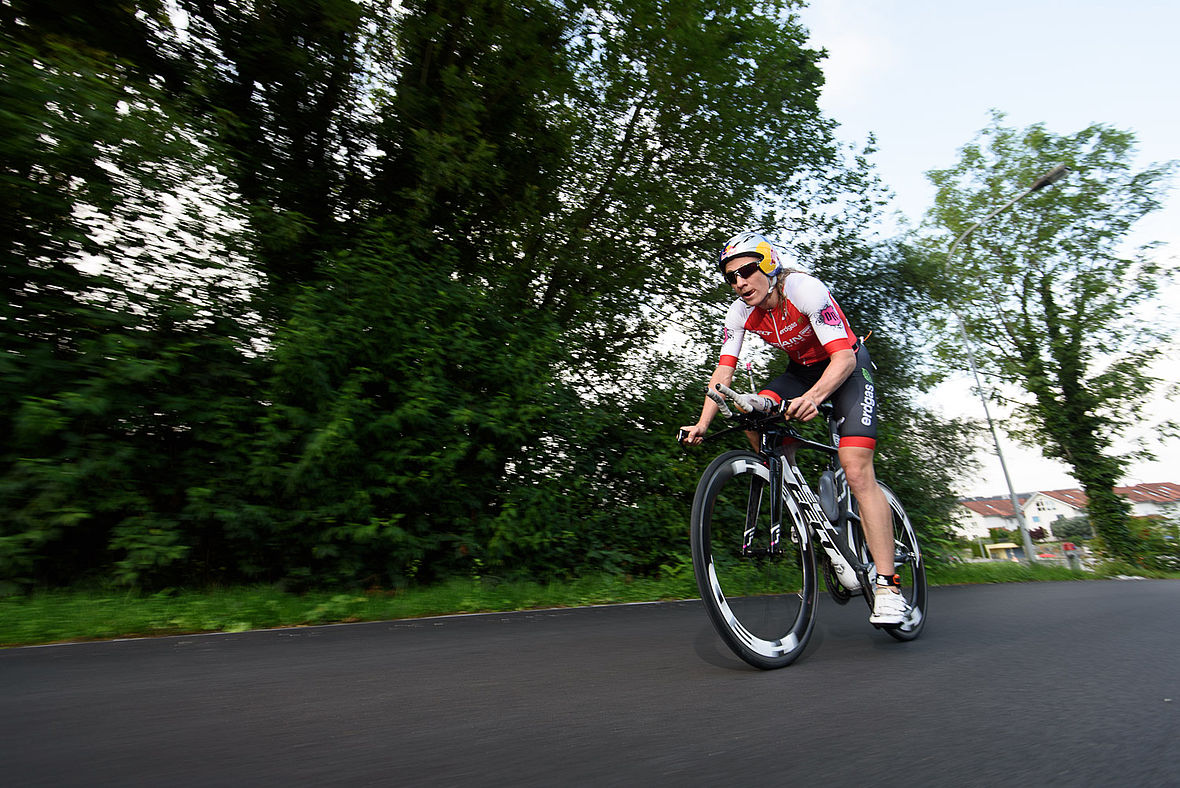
x=696, y=432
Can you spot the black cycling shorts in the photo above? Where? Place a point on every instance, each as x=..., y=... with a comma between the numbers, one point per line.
x=855, y=402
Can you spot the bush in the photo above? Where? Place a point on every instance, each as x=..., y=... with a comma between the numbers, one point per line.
x=1154, y=546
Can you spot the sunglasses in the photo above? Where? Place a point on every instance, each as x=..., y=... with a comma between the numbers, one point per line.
x=745, y=272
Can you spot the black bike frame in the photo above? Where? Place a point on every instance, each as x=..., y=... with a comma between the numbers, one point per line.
x=778, y=446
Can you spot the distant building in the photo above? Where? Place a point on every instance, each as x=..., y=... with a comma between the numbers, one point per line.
x=1043, y=508
x=977, y=515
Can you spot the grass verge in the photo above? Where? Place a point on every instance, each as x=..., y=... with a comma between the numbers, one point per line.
x=70, y=615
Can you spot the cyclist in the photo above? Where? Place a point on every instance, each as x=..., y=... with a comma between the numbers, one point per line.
x=795, y=312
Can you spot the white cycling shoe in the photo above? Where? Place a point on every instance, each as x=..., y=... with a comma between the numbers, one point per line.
x=889, y=606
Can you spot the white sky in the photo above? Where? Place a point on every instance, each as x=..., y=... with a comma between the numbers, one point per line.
x=923, y=76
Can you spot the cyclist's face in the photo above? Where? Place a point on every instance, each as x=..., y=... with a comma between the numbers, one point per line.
x=752, y=290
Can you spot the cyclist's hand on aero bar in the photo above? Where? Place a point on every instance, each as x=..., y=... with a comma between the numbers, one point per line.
x=748, y=403
x=691, y=435
x=802, y=408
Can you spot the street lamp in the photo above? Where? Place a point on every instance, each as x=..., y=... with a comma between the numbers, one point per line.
x=1050, y=177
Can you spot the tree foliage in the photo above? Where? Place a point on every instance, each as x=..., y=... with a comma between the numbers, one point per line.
x=1073, y=529
x=1054, y=306
x=333, y=291
x=122, y=339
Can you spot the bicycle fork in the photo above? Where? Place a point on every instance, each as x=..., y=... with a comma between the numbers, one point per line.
x=758, y=487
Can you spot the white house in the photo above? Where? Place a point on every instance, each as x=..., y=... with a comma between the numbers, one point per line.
x=1161, y=499
x=1041, y=509
x=977, y=515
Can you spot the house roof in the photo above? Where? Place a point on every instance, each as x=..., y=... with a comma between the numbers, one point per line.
x=992, y=507
x=1075, y=498
x=1156, y=492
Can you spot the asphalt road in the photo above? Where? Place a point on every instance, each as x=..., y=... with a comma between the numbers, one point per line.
x=1074, y=683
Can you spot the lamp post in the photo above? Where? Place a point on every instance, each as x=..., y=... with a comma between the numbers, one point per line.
x=1050, y=177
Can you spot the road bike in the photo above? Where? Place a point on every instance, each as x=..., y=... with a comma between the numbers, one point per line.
x=755, y=528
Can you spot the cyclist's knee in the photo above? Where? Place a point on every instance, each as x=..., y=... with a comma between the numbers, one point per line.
x=860, y=482
x=858, y=468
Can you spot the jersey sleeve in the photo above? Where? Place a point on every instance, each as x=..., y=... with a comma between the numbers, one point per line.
x=733, y=332
x=811, y=297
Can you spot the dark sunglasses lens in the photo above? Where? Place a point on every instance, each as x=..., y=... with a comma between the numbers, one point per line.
x=745, y=272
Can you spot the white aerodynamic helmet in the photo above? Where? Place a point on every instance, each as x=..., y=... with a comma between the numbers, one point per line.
x=750, y=243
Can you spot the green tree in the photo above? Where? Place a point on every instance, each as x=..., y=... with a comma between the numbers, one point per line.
x=1054, y=306
x=558, y=166
x=337, y=291
x=999, y=534
x=1073, y=529
x=554, y=166
x=123, y=329
x=394, y=405
x=571, y=153
x=285, y=86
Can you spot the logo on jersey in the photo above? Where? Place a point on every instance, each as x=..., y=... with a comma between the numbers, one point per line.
x=785, y=341
x=830, y=316
x=867, y=406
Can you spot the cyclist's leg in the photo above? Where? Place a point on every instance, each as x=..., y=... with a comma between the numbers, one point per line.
x=855, y=403
x=889, y=605
x=856, y=406
x=911, y=572
x=857, y=461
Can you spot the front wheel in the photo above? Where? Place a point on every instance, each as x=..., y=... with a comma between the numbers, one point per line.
x=760, y=597
x=909, y=565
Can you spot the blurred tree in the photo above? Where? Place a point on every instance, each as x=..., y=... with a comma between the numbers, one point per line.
x=999, y=534
x=348, y=290
x=123, y=326
x=398, y=395
x=555, y=165
x=126, y=32
x=285, y=86
x=1073, y=529
x=1052, y=304
x=581, y=157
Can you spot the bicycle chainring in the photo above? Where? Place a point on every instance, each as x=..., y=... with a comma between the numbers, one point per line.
x=840, y=595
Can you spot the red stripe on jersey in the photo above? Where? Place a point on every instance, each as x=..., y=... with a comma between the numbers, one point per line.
x=837, y=345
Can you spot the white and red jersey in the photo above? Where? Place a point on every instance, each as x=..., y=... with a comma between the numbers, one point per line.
x=809, y=325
